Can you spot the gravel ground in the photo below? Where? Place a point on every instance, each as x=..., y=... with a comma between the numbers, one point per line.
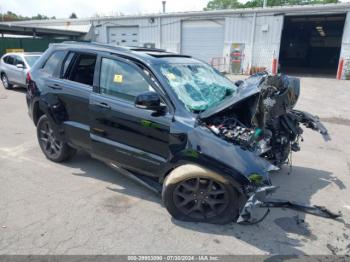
x=84, y=207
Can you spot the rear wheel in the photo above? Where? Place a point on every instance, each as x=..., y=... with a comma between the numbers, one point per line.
x=53, y=148
x=192, y=193
x=5, y=81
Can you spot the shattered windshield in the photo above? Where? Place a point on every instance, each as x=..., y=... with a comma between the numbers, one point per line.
x=197, y=85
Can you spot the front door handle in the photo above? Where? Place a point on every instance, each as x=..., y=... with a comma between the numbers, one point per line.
x=103, y=105
x=55, y=86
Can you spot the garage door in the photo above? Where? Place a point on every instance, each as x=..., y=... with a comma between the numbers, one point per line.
x=203, y=39
x=125, y=36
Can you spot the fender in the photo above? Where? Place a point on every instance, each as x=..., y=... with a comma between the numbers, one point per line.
x=189, y=156
x=55, y=111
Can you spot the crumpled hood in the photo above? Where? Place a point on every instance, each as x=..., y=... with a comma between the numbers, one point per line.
x=247, y=88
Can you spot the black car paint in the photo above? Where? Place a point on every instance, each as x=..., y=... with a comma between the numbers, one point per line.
x=143, y=141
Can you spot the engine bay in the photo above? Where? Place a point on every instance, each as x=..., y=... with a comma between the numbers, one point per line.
x=253, y=139
x=266, y=123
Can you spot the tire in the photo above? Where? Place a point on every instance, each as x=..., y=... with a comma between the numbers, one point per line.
x=53, y=149
x=5, y=81
x=218, y=203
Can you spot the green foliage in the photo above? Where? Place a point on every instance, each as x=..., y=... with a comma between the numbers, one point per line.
x=222, y=4
x=73, y=15
x=233, y=4
x=10, y=16
x=39, y=17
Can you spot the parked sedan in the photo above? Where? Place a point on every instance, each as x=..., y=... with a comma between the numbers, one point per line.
x=15, y=66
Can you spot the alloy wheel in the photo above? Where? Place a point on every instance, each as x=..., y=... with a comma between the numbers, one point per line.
x=48, y=141
x=5, y=81
x=201, y=198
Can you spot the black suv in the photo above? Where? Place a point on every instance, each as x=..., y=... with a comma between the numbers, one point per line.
x=206, y=143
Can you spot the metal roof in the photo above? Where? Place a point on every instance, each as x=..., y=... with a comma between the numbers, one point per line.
x=293, y=9
x=24, y=53
x=38, y=31
x=288, y=10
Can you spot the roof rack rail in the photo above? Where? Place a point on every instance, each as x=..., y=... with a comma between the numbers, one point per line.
x=136, y=48
x=97, y=44
x=124, y=48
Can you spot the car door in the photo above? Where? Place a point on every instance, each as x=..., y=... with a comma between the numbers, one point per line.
x=136, y=139
x=73, y=89
x=19, y=73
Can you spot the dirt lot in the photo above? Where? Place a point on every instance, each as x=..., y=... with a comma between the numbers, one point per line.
x=84, y=207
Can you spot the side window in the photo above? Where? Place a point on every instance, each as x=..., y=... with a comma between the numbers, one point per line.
x=121, y=80
x=54, y=60
x=19, y=60
x=10, y=60
x=5, y=59
x=67, y=62
x=83, y=69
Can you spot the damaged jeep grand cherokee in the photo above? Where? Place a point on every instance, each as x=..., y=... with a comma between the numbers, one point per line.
x=173, y=122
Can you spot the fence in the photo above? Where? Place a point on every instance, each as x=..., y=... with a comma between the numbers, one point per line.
x=27, y=44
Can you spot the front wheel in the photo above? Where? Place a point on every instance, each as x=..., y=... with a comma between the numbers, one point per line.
x=193, y=193
x=53, y=148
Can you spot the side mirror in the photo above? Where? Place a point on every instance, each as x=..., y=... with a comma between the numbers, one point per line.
x=149, y=101
x=20, y=66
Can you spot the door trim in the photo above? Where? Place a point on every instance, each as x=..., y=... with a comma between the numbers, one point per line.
x=129, y=150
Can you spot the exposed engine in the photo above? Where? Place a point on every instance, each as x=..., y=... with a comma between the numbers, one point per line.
x=266, y=122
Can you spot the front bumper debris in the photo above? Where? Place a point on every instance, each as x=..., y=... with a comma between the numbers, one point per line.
x=248, y=214
x=258, y=199
x=312, y=122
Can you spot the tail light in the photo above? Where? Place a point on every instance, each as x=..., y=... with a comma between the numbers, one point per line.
x=28, y=78
x=30, y=84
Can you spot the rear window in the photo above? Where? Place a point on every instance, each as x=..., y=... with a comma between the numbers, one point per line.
x=51, y=64
x=31, y=59
x=19, y=61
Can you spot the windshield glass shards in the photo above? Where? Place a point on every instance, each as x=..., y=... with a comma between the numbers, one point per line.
x=198, y=86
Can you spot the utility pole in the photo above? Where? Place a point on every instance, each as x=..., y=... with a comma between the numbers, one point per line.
x=2, y=14
x=265, y=3
x=163, y=3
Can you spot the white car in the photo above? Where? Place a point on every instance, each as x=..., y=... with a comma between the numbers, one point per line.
x=14, y=68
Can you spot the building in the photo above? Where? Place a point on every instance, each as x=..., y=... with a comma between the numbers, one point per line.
x=35, y=36
x=312, y=39
x=295, y=39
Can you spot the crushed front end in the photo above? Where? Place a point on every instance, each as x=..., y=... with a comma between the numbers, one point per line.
x=263, y=120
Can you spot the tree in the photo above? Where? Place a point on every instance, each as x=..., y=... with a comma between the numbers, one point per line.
x=222, y=4
x=73, y=16
x=40, y=17
x=10, y=16
x=232, y=4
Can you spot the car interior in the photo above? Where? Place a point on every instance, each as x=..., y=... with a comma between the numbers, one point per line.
x=83, y=69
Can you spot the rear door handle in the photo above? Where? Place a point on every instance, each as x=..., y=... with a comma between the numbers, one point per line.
x=55, y=86
x=103, y=105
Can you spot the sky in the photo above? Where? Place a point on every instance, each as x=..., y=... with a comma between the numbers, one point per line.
x=88, y=8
